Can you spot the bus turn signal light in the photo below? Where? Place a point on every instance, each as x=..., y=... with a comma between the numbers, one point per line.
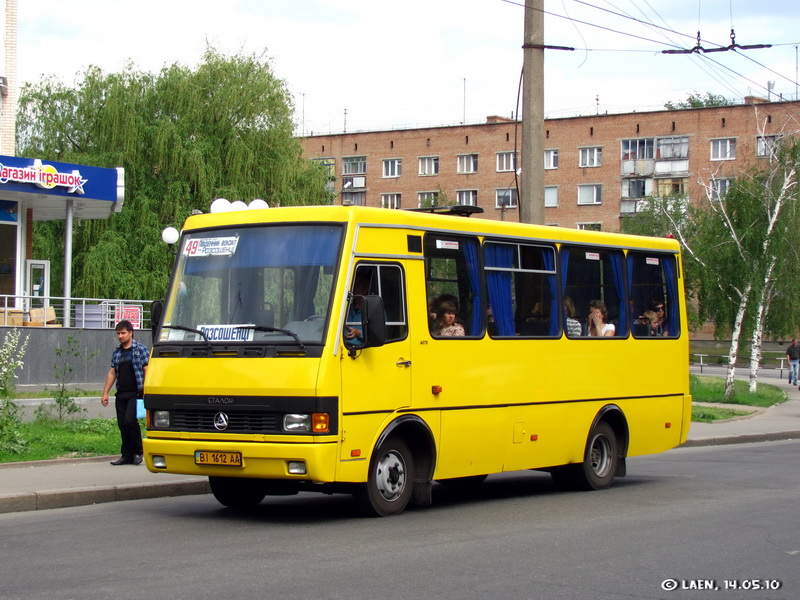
x=320, y=422
x=436, y=389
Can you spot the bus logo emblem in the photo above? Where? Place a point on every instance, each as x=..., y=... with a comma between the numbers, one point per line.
x=221, y=421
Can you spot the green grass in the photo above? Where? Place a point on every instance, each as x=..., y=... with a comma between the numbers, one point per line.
x=712, y=389
x=48, y=438
x=45, y=393
x=709, y=414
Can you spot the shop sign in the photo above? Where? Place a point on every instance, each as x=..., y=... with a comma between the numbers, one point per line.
x=44, y=176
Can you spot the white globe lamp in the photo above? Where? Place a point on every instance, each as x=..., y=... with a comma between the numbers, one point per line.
x=220, y=205
x=170, y=235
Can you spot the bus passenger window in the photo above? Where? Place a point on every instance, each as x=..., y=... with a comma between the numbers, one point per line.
x=653, y=289
x=452, y=274
x=522, y=285
x=595, y=275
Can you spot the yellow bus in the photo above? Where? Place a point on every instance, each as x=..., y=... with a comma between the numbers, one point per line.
x=310, y=349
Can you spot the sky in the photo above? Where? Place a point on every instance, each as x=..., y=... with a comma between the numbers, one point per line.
x=363, y=65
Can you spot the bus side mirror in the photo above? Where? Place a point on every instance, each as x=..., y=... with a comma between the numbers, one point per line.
x=372, y=326
x=374, y=322
x=156, y=312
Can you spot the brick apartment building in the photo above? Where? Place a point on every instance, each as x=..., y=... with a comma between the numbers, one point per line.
x=598, y=168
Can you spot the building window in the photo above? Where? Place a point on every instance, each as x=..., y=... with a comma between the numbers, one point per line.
x=467, y=163
x=671, y=187
x=390, y=201
x=638, y=149
x=720, y=187
x=634, y=188
x=354, y=198
x=429, y=165
x=551, y=196
x=590, y=226
x=428, y=199
x=590, y=194
x=506, y=161
x=724, y=149
x=506, y=198
x=591, y=157
x=673, y=147
x=551, y=159
x=467, y=197
x=354, y=165
x=767, y=145
x=392, y=167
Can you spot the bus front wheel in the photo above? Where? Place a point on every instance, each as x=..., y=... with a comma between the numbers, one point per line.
x=235, y=492
x=390, y=480
x=600, y=461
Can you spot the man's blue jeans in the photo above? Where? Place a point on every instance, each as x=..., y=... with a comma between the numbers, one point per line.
x=793, y=366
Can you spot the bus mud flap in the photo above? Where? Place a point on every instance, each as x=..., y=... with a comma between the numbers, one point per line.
x=422, y=493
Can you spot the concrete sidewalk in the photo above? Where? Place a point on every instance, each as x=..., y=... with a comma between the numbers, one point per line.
x=75, y=482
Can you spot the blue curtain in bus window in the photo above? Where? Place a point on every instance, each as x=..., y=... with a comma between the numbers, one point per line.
x=499, y=286
x=619, y=284
x=473, y=271
x=549, y=263
x=672, y=291
x=563, y=260
x=629, y=295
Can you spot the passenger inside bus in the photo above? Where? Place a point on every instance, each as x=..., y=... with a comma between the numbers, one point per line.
x=598, y=320
x=354, y=316
x=573, y=326
x=656, y=305
x=446, y=325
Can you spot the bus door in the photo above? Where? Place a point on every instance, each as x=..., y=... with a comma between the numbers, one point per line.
x=376, y=381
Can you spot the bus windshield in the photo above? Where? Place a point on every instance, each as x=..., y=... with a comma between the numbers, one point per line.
x=266, y=283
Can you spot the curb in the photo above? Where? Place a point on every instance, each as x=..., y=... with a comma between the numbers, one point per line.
x=70, y=497
x=744, y=438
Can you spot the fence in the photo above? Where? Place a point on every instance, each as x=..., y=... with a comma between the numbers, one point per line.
x=80, y=313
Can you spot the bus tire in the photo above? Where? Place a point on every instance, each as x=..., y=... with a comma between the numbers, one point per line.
x=237, y=492
x=600, y=460
x=390, y=481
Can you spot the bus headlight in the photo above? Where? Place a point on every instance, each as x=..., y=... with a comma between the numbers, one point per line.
x=161, y=418
x=296, y=422
x=301, y=422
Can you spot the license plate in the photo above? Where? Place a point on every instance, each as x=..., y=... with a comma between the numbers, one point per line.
x=228, y=459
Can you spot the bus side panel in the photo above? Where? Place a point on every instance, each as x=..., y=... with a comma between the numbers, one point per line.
x=473, y=442
x=656, y=424
x=544, y=435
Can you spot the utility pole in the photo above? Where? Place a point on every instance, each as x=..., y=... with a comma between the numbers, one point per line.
x=531, y=204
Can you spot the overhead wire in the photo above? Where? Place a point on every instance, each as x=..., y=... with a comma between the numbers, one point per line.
x=669, y=43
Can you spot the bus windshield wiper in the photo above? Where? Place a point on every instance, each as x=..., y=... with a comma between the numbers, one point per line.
x=288, y=332
x=190, y=330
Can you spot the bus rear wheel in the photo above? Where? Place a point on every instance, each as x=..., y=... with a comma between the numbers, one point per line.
x=600, y=461
x=390, y=480
x=237, y=492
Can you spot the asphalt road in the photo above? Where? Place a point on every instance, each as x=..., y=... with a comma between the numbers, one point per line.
x=694, y=517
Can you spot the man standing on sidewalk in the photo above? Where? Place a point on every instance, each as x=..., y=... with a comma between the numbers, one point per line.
x=128, y=365
x=793, y=354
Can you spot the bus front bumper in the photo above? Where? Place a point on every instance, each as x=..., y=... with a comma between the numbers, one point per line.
x=265, y=460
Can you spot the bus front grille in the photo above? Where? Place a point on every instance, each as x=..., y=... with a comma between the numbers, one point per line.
x=252, y=422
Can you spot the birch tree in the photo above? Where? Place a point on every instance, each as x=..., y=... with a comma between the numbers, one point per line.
x=742, y=249
x=184, y=136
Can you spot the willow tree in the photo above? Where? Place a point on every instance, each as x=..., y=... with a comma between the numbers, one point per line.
x=184, y=136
